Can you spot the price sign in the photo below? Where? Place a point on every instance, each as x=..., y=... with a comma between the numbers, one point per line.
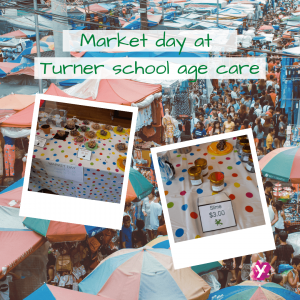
x=216, y=216
x=84, y=154
x=39, y=141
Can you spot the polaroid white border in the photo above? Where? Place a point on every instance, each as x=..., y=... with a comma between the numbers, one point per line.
x=71, y=209
x=225, y=245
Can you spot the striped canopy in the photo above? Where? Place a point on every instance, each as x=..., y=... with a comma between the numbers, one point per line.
x=143, y=273
x=282, y=164
x=48, y=38
x=56, y=231
x=254, y=290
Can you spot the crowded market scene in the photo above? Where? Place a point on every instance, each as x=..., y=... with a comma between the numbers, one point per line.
x=46, y=258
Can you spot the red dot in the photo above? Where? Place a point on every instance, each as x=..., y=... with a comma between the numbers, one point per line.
x=249, y=195
x=178, y=165
x=100, y=153
x=194, y=215
x=191, y=163
x=182, y=193
x=249, y=208
x=205, y=154
x=234, y=175
x=231, y=197
x=220, y=162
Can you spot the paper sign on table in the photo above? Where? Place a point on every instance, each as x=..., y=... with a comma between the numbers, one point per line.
x=64, y=171
x=39, y=141
x=84, y=154
x=216, y=216
x=289, y=130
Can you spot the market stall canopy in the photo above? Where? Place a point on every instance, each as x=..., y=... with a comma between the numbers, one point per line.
x=48, y=38
x=282, y=164
x=50, y=292
x=8, y=67
x=22, y=118
x=295, y=50
x=17, y=242
x=26, y=71
x=57, y=232
x=15, y=185
x=19, y=34
x=11, y=198
x=16, y=101
x=144, y=273
x=254, y=290
x=138, y=186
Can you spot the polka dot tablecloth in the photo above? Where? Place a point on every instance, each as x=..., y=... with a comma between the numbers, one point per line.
x=102, y=178
x=240, y=187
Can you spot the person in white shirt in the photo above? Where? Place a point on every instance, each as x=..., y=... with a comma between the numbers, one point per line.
x=257, y=110
x=155, y=215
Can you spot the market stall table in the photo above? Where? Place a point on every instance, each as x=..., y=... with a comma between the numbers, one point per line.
x=102, y=175
x=240, y=187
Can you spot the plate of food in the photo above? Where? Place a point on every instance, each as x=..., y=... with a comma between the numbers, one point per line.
x=103, y=134
x=91, y=145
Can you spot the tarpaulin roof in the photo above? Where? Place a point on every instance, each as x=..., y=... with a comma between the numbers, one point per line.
x=56, y=231
x=50, y=292
x=6, y=67
x=19, y=34
x=11, y=198
x=55, y=91
x=16, y=102
x=22, y=118
x=26, y=71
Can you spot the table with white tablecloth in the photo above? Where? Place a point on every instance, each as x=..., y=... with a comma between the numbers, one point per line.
x=240, y=187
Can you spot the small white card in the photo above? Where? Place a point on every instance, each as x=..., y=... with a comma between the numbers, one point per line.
x=216, y=216
x=40, y=141
x=84, y=154
x=289, y=130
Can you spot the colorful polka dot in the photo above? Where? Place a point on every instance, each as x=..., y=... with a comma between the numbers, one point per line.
x=182, y=193
x=220, y=162
x=169, y=182
x=231, y=197
x=170, y=204
x=181, y=178
x=198, y=149
x=184, y=207
x=178, y=155
x=184, y=158
x=71, y=160
x=227, y=158
x=178, y=165
x=249, y=208
x=197, y=236
x=166, y=193
x=199, y=191
x=238, y=163
x=236, y=184
x=204, y=154
x=249, y=178
x=179, y=232
x=229, y=168
x=214, y=193
x=213, y=157
x=194, y=215
x=234, y=175
x=210, y=167
x=249, y=195
x=184, y=170
x=192, y=154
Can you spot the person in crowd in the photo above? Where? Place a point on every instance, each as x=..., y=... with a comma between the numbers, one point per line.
x=199, y=131
x=269, y=140
x=260, y=153
x=155, y=215
x=216, y=128
x=139, y=238
x=278, y=279
x=126, y=233
x=228, y=125
x=279, y=225
x=146, y=211
x=282, y=130
x=162, y=229
x=293, y=275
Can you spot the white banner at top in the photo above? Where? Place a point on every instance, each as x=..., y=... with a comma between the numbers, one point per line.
x=150, y=40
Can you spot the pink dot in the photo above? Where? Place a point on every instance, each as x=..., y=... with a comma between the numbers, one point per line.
x=234, y=138
x=117, y=170
x=104, y=144
x=45, y=148
x=178, y=165
x=227, y=158
x=119, y=141
x=249, y=208
x=59, y=146
x=194, y=215
x=182, y=193
x=220, y=162
x=79, y=165
x=33, y=156
x=249, y=195
x=37, y=133
x=204, y=154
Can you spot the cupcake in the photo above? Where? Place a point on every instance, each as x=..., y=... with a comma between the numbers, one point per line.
x=86, y=122
x=90, y=134
x=80, y=139
x=119, y=128
x=103, y=132
x=107, y=127
x=61, y=133
x=74, y=132
x=96, y=126
x=121, y=146
x=84, y=128
x=71, y=124
x=92, y=144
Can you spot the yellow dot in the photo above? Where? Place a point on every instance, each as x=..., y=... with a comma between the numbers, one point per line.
x=213, y=157
x=42, y=154
x=184, y=158
x=97, y=159
x=113, y=153
x=236, y=184
x=96, y=177
x=214, y=193
x=210, y=167
x=69, y=147
x=197, y=236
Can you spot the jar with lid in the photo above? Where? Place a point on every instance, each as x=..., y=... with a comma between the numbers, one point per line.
x=216, y=181
x=246, y=152
x=202, y=163
x=195, y=174
x=238, y=139
x=250, y=165
x=243, y=142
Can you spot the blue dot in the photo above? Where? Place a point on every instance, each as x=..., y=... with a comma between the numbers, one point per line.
x=55, y=142
x=181, y=178
x=47, y=158
x=85, y=174
x=114, y=163
x=175, y=151
x=75, y=154
x=104, y=163
x=126, y=142
x=184, y=207
x=93, y=152
x=35, y=150
x=179, y=232
x=69, y=142
x=54, y=154
x=184, y=170
x=109, y=149
x=191, y=154
x=238, y=163
x=57, y=160
x=112, y=145
x=46, y=134
x=225, y=184
x=199, y=191
x=169, y=182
